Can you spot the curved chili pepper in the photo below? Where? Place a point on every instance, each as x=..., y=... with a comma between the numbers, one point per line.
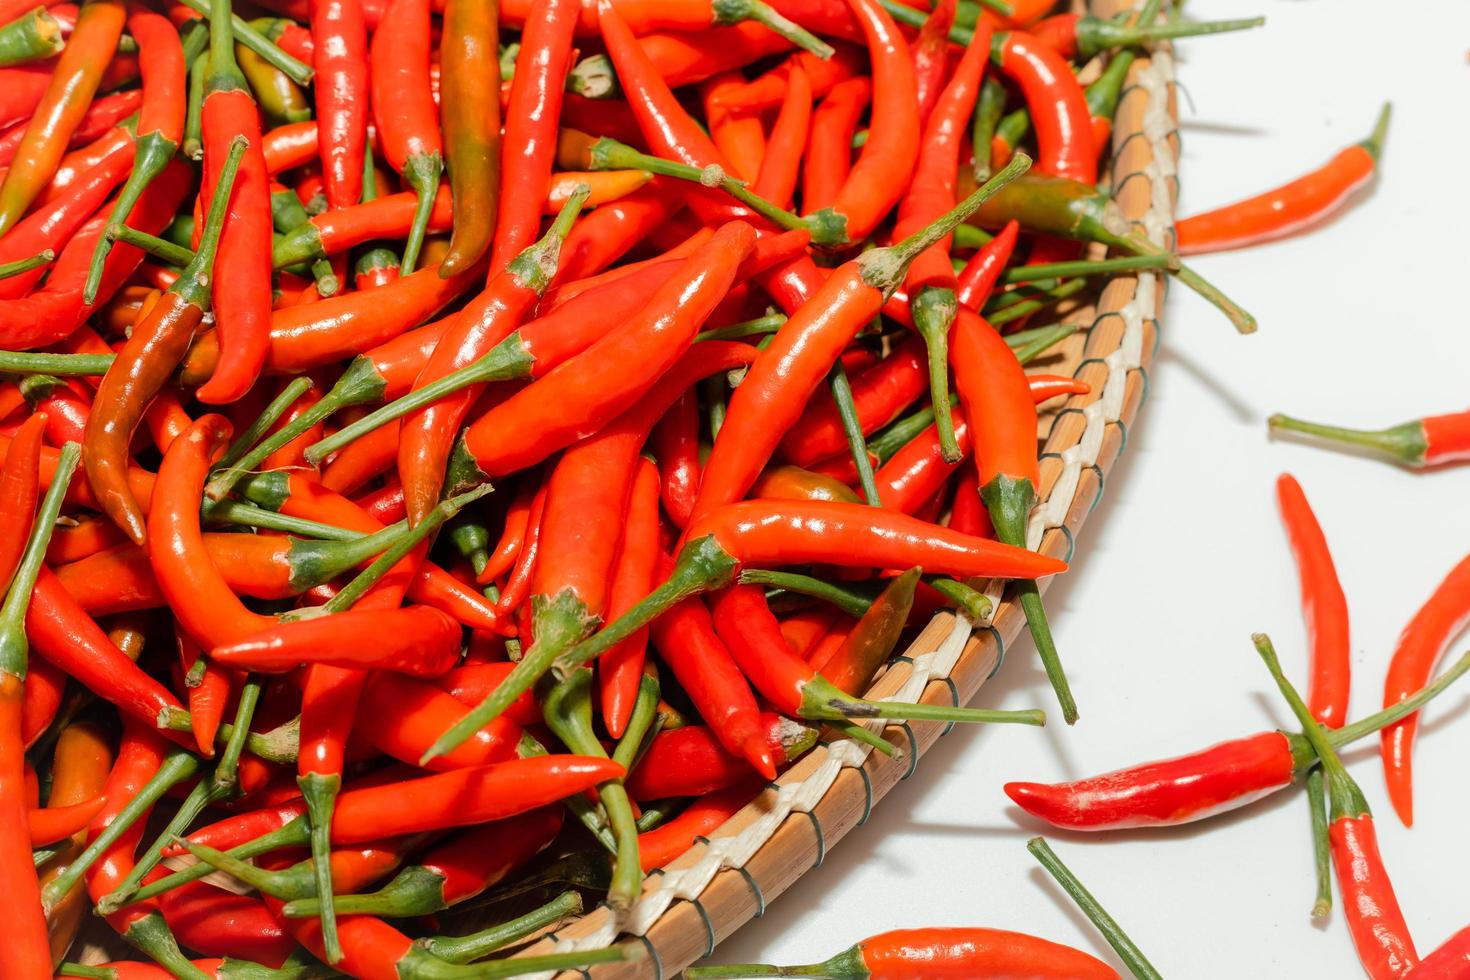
x=866, y=647
x=879, y=395
x=404, y=109
x=70, y=89
x=416, y=640
x=676, y=447
x=770, y=398
x=427, y=437
x=528, y=146
x=281, y=99
x=242, y=299
x=657, y=848
x=502, y=558
x=156, y=346
x=215, y=922
x=402, y=716
x=1442, y=617
x=1374, y=919
x=1199, y=785
x=823, y=74
x=741, y=137
x=691, y=761
x=340, y=60
x=1323, y=605
x=453, y=872
x=26, y=952
x=781, y=165
x=470, y=109
x=621, y=670
x=1434, y=440
x=978, y=278
x=160, y=123
x=1058, y=107
x=1449, y=961
x=338, y=230
x=590, y=389
x=606, y=234
x=828, y=152
x=939, y=952
x=877, y=180
x=931, y=57
x=79, y=771
x=1289, y=208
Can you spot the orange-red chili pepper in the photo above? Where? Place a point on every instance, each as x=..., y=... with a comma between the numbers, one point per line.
x=392, y=216
x=402, y=716
x=769, y=90
x=931, y=57
x=879, y=395
x=621, y=671
x=69, y=91
x=829, y=150
x=528, y=147
x=416, y=640
x=213, y=921
x=908, y=954
x=101, y=116
x=1323, y=605
x=340, y=60
x=740, y=136
x=19, y=490
x=1448, y=962
x=470, y=110
x=690, y=761
x=79, y=771
x=512, y=537
x=1290, y=208
x=977, y=279
x=609, y=232
x=1434, y=440
x=157, y=344
x=403, y=106
x=1058, y=106
x=160, y=123
x=781, y=165
x=241, y=299
x=1443, y=615
x=658, y=847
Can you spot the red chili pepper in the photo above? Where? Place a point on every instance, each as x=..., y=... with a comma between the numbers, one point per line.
x=1289, y=208
x=769, y=90
x=528, y=147
x=242, y=299
x=1451, y=961
x=1323, y=605
x=416, y=640
x=658, y=847
x=741, y=137
x=690, y=761
x=609, y=232
x=909, y=954
x=391, y=216
x=1442, y=617
x=69, y=91
x=155, y=347
x=621, y=671
x=427, y=436
x=208, y=919
x=340, y=59
x=879, y=395
x=1379, y=932
x=19, y=490
x=781, y=165
x=401, y=717
x=1058, y=106
x=289, y=146
x=590, y=389
x=978, y=278
x=101, y=116
x=403, y=106
x=931, y=57
x=676, y=447
x=829, y=150
x=160, y=123
x=1201, y=784
x=209, y=697
x=453, y=872
x=473, y=682
x=79, y=771
x=771, y=397
x=1431, y=441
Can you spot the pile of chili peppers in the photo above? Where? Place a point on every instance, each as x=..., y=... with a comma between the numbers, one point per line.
x=731, y=304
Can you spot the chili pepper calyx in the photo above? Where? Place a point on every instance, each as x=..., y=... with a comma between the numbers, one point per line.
x=1403, y=444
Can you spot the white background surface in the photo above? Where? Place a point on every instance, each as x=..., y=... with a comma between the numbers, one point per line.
x=1361, y=322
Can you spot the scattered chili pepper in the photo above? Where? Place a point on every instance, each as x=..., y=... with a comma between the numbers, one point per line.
x=1431, y=441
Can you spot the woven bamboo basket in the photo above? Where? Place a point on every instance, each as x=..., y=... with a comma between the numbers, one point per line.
x=733, y=875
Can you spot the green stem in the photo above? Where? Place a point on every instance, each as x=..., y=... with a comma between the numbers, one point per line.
x=1089, y=267
x=852, y=428
x=152, y=936
x=248, y=515
x=1025, y=308
x=976, y=604
x=31, y=37
x=19, y=266
x=1243, y=321
x=421, y=966
x=168, y=252
x=293, y=834
x=177, y=766
x=193, y=145
x=746, y=328
x=1403, y=444
x=588, y=814
x=320, y=792
x=14, y=647
x=988, y=107
x=1379, y=720
x=253, y=433
x=1095, y=35
x=934, y=310
x=467, y=949
x=152, y=156
x=280, y=745
x=57, y=365
x=734, y=11
x=1374, y=143
x=1321, y=845
x=1126, y=949
x=421, y=172
x=254, y=40
x=901, y=433
x=850, y=601
x=823, y=701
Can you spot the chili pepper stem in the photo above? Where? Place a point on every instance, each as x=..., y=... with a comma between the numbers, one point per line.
x=33, y=36
x=823, y=701
x=934, y=310
x=844, y=598
x=254, y=40
x=263, y=881
x=280, y=745
x=1363, y=727
x=884, y=268
x=559, y=621
x=9, y=269
x=413, y=891
x=975, y=604
x=419, y=965
x=194, y=282
x=1243, y=321
x=153, y=153
x=1374, y=143
x=421, y=172
x=745, y=328
x=151, y=935
x=467, y=949
x=734, y=11
x=852, y=428
x=848, y=963
x=1095, y=35
x=1088, y=267
x=1403, y=444
x=1321, y=846
x=177, y=767
x=253, y=432
x=1009, y=501
x=1126, y=949
x=293, y=834
x=320, y=792
x=701, y=566
x=166, y=251
x=860, y=733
